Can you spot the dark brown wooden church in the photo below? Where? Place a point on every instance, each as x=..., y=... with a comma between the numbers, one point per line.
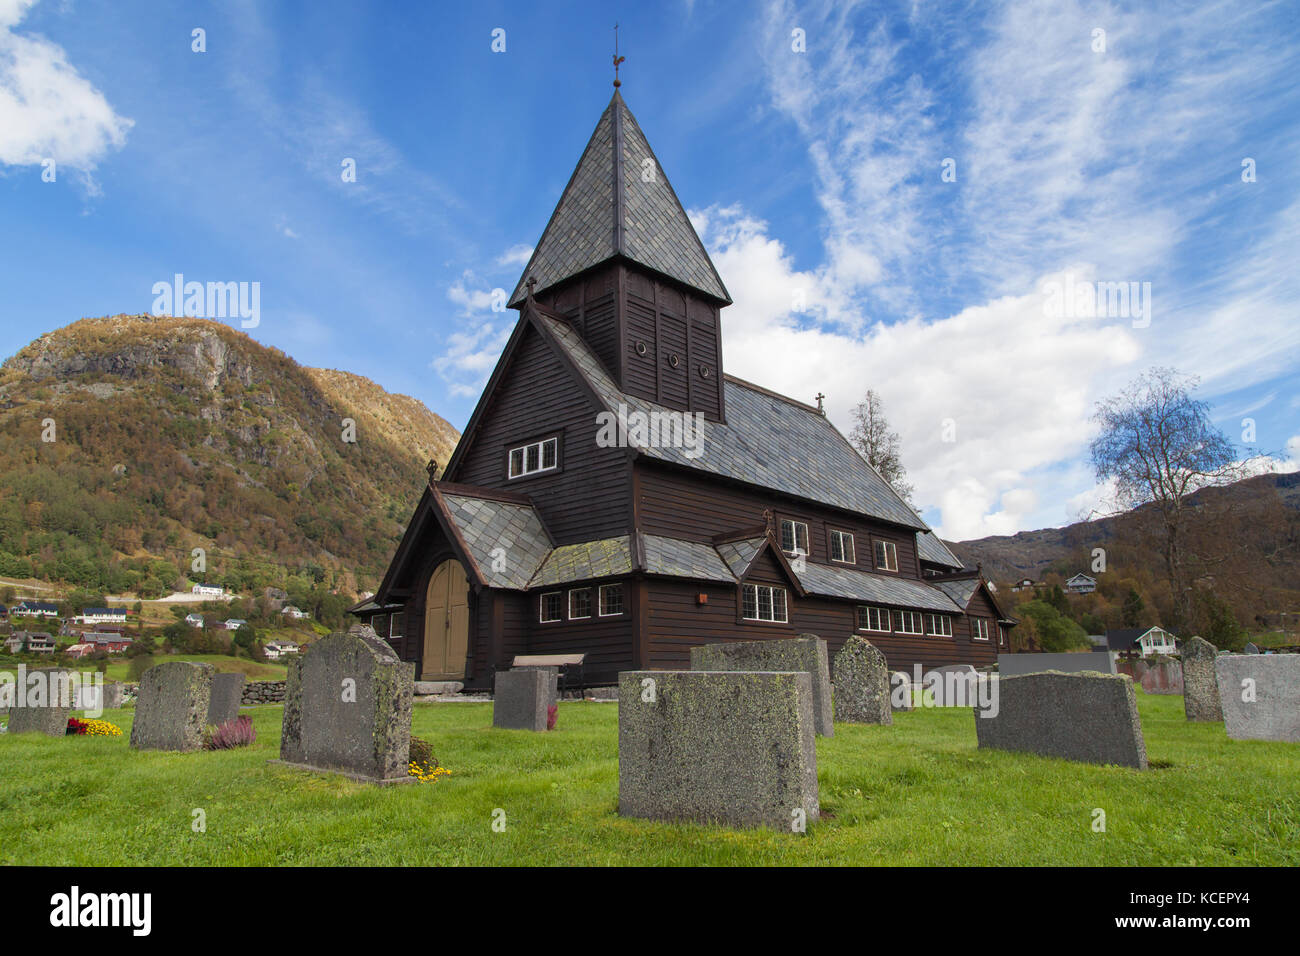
x=718, y=511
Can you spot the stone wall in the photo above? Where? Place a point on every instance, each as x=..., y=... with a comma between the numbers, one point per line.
x=264, y=692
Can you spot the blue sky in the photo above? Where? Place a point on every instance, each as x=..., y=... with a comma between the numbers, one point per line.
x=814, y=175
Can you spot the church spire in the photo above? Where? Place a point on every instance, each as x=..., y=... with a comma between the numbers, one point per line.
x=619, y=203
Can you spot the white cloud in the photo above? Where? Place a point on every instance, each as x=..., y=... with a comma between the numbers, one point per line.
x=47, y=109
x=470, y=354
x=515, y=256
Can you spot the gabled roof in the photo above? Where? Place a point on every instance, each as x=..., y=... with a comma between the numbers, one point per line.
x=931, y=549
x=1121, y=639
x=619, y=203
x=684, y=559
x=877, y=588
x=767, y=440
x=488, y=524
x=740, y=554
x=961, y=590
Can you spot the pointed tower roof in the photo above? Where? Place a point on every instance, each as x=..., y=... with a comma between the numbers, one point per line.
x=617, y=203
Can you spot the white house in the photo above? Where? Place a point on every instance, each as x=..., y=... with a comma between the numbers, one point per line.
x=1081, y=584
x=102, y=615
x=274, y=650
x=35, y=609
x=207, y=590
x=194, y=620
x=290, y=611
x=234, y=623
x=1144, y=641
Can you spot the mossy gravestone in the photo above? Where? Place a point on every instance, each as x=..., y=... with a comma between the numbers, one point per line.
x=227, y=693
x=806, y=653
x=862, y=684
x=736, y=748
x=347, y=708
x=1260, y=695
x=1200, y=687
x=1092, y=718
x=171, y=708
x=46, y=695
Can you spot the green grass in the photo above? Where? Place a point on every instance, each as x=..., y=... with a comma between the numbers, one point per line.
x=918, y=792
x=253, y=670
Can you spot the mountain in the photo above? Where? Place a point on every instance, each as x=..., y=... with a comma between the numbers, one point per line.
x=1248, y=532
x=128, y=441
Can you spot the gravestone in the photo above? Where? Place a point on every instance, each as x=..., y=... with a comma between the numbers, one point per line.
x=954, y=685
x=1092, y=718
x=900, y=691
x=1200, y=686
x=1260, y=696
x=735, y=747
x=172, y=706
x=1099, y=662
x=520, y=698
x=553, y=691
x=807, y=653
x=227, y=695
x=861, y=689
x=347, y=708
x=1251, y=648
x=88, y=697
x=46, y=695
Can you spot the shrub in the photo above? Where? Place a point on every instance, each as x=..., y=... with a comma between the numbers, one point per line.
x=233, y=733
x=552, y=715
x=421, y=763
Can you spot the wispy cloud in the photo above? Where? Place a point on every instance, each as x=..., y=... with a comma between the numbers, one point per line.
x=49, y=111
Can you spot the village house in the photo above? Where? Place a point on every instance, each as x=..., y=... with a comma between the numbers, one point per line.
x=35, y=609
x=292, y=612
x=194, y=620
x=1140, y=642
x=207, y=590
x=274, y=650
x=102, y=615
x=31, y=642
x=1081, y=584
x=617, y=494
x=107, y=641
x=77, y=651
x=233, y=623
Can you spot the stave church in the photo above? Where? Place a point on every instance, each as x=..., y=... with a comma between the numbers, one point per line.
x=561, y=527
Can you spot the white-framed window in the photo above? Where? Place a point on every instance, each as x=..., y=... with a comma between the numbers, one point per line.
x=872, y=618
x=611, y=600
x=842, y=547
x=551, y=607
x=762, y=602
x=794, y=536
x=979, y=629
x=940, y=625
x=886, y=556
x=1002, y=635
x=397, y=624
x=907, y=622
x=529, y=459
x=579, y=604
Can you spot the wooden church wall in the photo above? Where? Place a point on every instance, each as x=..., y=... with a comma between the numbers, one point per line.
x=586, y=497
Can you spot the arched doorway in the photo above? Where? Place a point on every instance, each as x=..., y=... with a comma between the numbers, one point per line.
x=446, y=623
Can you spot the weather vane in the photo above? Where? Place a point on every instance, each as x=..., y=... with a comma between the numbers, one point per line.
x=617, y=59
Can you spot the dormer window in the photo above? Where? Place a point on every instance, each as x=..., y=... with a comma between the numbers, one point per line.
x=794, y=537
x=535, y=457
x=886, y=556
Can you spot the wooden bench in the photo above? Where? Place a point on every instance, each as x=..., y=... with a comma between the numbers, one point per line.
x=564, y=664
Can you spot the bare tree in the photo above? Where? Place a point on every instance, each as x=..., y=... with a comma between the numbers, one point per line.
x=879, y=444
x=1158, y=445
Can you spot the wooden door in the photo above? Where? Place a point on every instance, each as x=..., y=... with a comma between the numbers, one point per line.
x=446, y=623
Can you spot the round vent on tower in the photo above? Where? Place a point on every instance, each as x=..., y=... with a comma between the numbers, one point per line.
x=640, y=348
x=672, y=359
x=704, y=371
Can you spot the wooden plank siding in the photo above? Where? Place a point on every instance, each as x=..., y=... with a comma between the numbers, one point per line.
x=585, y=498
x=680, y=504
x=676, y=623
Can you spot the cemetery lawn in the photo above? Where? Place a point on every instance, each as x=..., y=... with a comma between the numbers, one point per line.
x=916, y=793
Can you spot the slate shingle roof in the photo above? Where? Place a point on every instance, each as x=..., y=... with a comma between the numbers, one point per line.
x=580, y=562
x=618, y=205
x=961, y=591
x=487, y=525
x=767, y=441
x=684, y=559
x=931, y=549
x=875, y=588
x=739, y=555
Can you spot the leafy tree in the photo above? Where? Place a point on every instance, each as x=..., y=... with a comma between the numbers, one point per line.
x=1221, y=627
x=1158, y=445
x=137, y=665
x=1134, y=608
x=1056, y=597
x=879, y=444
x=1056, y=633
